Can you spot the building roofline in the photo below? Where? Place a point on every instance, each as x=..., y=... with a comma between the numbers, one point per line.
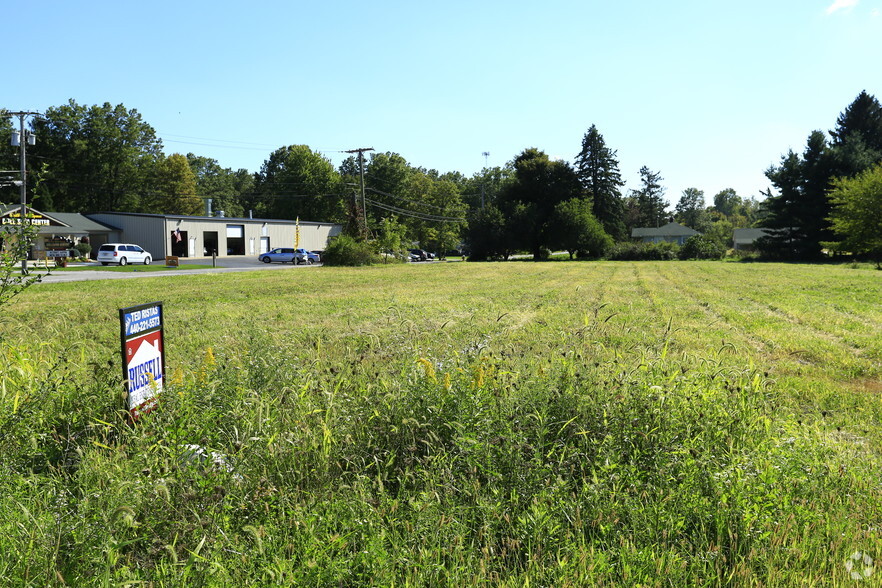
x=210, y=218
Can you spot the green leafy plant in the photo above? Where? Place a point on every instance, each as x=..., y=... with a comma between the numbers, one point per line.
x=699, y=247
x=16, y=243
x=344, y=250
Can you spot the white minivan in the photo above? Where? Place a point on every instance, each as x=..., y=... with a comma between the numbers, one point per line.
x=123, y=253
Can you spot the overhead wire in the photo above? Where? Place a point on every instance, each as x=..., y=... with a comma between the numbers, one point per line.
x=413, y=214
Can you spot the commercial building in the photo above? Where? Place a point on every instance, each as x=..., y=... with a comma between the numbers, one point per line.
x=57, y=232
x=170, y=235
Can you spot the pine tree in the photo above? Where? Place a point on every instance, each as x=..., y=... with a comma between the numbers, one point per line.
x=650, y=202
x=863, y=117
x=598, y=172
x=798, y=215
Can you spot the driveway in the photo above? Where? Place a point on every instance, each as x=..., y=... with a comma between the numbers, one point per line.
x=224, y=265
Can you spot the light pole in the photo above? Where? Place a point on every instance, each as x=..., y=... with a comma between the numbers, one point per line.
x=22, y=138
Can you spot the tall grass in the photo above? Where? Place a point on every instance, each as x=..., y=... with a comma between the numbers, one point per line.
x=520, y=424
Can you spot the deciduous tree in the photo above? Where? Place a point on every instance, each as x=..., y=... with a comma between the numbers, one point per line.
x=297, y=182
x=94, y=158
x=174, y=188
x=539, y=185
x=573, y=228
x=222, y=185
x=856, y=218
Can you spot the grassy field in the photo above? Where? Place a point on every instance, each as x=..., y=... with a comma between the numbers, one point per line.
x=518, y=424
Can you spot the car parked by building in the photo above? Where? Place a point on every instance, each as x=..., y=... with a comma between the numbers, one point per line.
x=122, y=254
x=419, y=255
x=288, y=255
x=310, y=256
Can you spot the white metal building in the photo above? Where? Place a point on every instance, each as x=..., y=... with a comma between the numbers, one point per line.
x=203, y=236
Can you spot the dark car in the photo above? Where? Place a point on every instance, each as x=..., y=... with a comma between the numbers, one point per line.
x=418, y=255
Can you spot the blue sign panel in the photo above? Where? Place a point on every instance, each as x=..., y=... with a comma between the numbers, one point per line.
x=141, y=319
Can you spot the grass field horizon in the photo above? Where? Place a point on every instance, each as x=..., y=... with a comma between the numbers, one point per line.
x=602, y=423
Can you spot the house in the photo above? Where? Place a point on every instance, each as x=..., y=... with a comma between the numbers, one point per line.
x=744, y=239
x=671, y=233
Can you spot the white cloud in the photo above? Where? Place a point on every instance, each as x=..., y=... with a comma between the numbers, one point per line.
x=841, y=5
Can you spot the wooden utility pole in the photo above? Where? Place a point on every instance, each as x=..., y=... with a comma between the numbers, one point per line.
x=24, y=138
x=360, y=152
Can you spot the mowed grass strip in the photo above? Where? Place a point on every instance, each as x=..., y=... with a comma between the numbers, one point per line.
x=505, y=424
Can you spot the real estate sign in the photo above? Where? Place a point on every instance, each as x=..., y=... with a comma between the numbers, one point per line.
x=143, y=355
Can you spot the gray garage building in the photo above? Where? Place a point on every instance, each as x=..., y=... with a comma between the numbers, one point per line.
x=202, y=236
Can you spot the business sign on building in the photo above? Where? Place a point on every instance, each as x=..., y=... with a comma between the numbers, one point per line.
x=14, y=218
x=143, y=355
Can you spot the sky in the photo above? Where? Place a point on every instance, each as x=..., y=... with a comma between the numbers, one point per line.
x=710, y=94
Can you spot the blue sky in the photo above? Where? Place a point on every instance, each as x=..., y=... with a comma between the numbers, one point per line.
x=709, y=94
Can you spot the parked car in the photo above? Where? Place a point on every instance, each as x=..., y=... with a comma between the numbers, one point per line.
x=288, y=255
x=418, y=255
x=310, y=256
x=123, y=253
x=281, y=254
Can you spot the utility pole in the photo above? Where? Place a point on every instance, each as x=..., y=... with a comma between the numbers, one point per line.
x=23, y=138
x=360, y=152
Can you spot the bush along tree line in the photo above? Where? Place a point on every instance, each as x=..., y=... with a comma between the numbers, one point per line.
x=107, y=158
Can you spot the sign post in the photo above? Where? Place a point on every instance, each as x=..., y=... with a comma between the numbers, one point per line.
x=143, y=353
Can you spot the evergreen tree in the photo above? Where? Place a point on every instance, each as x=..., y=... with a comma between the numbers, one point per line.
x=857, y=138
x=799, y=214
x=649, y=200
x=690, y=207
x=781, y=210
x=863, y=117
x=598, y=171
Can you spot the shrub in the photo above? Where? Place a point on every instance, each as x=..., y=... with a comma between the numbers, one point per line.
x=597, y=244
x=699, y=247
x=344, y=250
x=83, y=249
x=632, y=251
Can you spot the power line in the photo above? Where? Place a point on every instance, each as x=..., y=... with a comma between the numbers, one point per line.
x=414, y=202
x=411, y=213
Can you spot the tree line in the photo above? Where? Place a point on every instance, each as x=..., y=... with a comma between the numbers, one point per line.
x=107, y=158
